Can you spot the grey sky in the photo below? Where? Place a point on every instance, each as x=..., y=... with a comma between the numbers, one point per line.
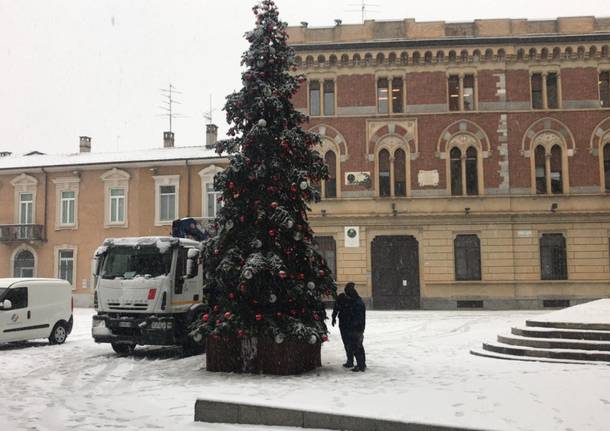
x=95, y=67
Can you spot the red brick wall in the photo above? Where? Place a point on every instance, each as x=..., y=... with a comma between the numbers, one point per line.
x=517, y=86
x=300, y=98
x=426, y=88
x=356, y=90
x=579, y=84
x=487, y=85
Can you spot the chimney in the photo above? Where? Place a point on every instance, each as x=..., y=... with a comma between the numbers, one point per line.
x=85, y=144
x=211, y=133
x=168, y=139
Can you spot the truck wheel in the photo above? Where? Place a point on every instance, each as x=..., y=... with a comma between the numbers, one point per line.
x=59, y=333
x=123, y=349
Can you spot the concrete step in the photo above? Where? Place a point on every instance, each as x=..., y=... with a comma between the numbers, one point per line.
x=494, y=355
x=569, y=354
x=555, y=343
x=572, y=334
x=568, y=325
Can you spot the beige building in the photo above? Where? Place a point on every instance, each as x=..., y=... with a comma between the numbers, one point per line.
x=55, y=210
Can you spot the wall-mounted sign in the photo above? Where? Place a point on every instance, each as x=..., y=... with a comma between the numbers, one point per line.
x=352, y=236
x=357, y=178
x=524, y=233
x=427, y=178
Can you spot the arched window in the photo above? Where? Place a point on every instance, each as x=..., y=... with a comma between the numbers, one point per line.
x=321, y=60
x=532, y=54
x=428, y=57
x=464, y=56
x=24, y=264
x=569, y=52
x=332, y=60
x=489, y=54
x=356, y=59
x=456, y=171
x=392, y=58
x=344, y=60
x=384, y=173
x=472, y=186
x=452, y=56
x=544, y=54
x=556, y=177
x=309, y=61
x=330, y=184
x=540, y=167
x=440, y=56
x=400, y=173
x=607, y=167
x=556, y=52
x=501, y=54
x=404, y=58
x=368, y=58
x=476, y=55
x=416, y=57
x=520, y=54
x=380, y=58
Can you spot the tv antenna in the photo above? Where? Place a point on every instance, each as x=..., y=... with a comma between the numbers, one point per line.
x=209, y=113
x=168, y=95
x=364, y=8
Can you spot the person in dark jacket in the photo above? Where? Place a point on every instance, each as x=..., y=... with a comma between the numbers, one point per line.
x=341, y=310
x=357, y=312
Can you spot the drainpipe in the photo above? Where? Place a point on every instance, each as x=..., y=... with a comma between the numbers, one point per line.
x=188, y=188
x=45, y=211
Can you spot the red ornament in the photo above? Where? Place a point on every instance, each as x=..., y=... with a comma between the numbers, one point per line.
x=216, y=252
x=282, y=274
x=301, y=276
x=242, y=288
x=205, y=317
x=271, y=232
x=324, y=338
x=231, y=296
x=216, y=308
x=315, y=316
x=293, y=188
x=241, y=333
x=218, y=322
x=231, y=185
x=279, y=314
x=274, y=205
x=293, y=312
x=322, y=273
x=259, y=317
x=228, y=315
x=242, y=219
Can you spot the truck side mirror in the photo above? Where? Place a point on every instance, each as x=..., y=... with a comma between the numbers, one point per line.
x=6, y=304
x=192, y=263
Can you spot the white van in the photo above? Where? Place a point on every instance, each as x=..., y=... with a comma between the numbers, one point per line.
x=35, y=308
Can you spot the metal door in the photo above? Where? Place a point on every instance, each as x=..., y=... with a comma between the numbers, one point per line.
x=395, y=264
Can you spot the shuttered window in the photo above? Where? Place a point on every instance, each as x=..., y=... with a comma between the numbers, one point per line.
x=467, y=251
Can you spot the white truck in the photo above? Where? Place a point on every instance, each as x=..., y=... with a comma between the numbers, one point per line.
x=148, y=291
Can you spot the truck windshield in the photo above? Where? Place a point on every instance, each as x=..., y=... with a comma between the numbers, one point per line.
x=130, y=262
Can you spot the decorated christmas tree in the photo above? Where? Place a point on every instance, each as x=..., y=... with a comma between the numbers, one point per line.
x=264, y=276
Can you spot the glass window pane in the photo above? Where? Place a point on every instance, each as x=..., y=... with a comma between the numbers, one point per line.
x=397, y=95
x=553, y=257
x=552, y=94
x=471, y=172
x=384, y=173
x=330, y=189
x=456, y=171
x=168, y=189
x=329, y=98
x=556, y=175
x=604, y=89
x=537, y=102
x=467, y=252
x=382, y=96
x=454, y=93
x=400, y=173
x=314, y=98
x=540, y=170
x=469, y=92
x=607, y=166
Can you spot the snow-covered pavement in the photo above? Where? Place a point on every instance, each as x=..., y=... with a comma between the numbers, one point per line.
x=420, y=370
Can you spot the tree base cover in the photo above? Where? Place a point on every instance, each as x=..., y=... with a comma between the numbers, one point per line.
x=262, y=355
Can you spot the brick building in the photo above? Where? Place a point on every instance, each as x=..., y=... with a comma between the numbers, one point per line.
x=470, y=162
x=57, y=209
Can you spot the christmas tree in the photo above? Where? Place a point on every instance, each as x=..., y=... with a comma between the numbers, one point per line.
x=265, y=277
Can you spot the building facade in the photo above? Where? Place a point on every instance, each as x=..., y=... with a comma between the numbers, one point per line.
x=57, y=209
x=469, y=162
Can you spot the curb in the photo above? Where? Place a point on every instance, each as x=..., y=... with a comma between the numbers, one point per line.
x=250, y=414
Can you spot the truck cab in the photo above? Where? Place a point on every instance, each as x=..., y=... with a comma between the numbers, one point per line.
x=148, y=291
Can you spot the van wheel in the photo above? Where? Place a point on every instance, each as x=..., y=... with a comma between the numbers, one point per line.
x=59, y=333
x=123, y=349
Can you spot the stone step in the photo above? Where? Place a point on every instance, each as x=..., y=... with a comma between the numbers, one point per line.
x=555, y=343
x=573, y=334
x=494, y=355
x=575, y=355
x=568, y=325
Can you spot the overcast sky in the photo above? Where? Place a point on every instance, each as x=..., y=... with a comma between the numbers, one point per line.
x=96, y=67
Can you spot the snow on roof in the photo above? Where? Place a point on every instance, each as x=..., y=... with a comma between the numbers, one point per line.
x=94, y=158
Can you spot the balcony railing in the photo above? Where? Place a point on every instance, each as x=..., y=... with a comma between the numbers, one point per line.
x=20, y=232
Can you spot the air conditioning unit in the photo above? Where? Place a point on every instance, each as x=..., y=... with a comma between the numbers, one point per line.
x=358, y=178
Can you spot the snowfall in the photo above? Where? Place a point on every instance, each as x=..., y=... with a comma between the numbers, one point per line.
x=420, y=370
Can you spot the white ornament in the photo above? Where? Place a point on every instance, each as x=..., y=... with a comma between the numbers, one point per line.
x=298, y=236
x=289, y=224
x=262, y=122
x=229, y=224
x=248, y=274
x=272, y=298
x=303, y=185
x=311, y=285
x=279, y=338
x=313, y=339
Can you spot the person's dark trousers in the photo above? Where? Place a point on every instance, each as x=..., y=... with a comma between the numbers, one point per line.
x=356, y=347
x=349, y=353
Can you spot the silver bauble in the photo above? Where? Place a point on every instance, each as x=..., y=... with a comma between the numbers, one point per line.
x=262, y=123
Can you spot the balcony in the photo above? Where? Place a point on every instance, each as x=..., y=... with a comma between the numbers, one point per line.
x=10, y=233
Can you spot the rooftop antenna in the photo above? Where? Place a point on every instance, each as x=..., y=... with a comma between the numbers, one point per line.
x=209, y=113
x=168, y=95
x=364, y=8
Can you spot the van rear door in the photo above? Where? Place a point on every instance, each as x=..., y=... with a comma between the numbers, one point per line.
x=16, y=324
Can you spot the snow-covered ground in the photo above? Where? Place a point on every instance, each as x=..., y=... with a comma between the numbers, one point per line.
x=420, y=370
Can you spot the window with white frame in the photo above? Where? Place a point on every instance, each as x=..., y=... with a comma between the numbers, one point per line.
x=210, y=204
x=166, y=199
x=25, y=199
x=67, y=202
x=65, y=265
x=117, y=205
x=116, y=189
